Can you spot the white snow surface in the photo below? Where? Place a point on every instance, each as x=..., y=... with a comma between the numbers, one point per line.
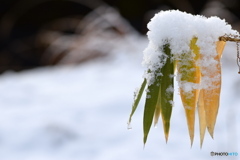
x=80, y=113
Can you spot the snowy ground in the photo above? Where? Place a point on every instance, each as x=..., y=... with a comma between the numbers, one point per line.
x=81, y=112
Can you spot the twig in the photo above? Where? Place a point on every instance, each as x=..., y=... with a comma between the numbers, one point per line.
x=233, y=39
x=224, y=38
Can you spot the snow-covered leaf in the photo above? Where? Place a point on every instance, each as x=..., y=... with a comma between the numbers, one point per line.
x=150, y=105
x=166, y=89
x=190, y=74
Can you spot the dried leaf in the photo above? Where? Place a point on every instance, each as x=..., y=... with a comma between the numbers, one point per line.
x=190, y=72
x=202, y=118
x=212, y=96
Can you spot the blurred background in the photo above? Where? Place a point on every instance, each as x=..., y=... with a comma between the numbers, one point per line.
x=68, y=70
x=49, y=32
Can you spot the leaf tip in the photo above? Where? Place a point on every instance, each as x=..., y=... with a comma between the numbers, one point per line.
x=191, y=143
x=211, y=131
x=191, y=139
x=166, y=138
x=144, y=140
x=201, y=145
x=129, y=125
x=166, y=130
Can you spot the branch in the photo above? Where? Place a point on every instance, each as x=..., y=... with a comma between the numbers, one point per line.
x=234, y=39
x=224, y=38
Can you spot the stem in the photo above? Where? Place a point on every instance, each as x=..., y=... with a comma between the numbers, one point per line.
x=226, y=38
x=237, y=40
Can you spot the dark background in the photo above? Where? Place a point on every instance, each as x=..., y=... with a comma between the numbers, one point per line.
x=24, y=24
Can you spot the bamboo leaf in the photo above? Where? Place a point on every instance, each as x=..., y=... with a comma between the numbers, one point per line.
x=137, y=98
x=202, y=118
x=190, y=73
x=166, y=91
x=220, y=47
x=150, y=106
x=212, y=96
x=158, y=108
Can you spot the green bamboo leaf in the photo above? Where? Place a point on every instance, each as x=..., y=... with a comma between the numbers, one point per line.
x=158, y=108
x=166, y=90
x=137, y=99
x=150, y=105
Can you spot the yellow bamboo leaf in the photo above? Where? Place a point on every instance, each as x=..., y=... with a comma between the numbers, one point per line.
x=190, y=73
x=212, y=96
x=220, y=47
x=202, y=119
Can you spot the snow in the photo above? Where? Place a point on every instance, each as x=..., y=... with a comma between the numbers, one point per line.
x=80, y=112
x=177, y=29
